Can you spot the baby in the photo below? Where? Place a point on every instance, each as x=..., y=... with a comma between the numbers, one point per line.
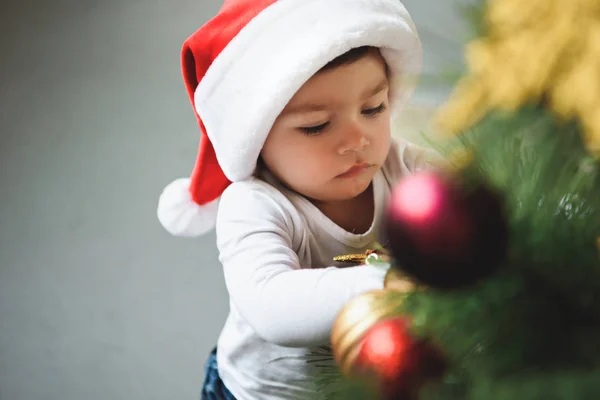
x=294, y=99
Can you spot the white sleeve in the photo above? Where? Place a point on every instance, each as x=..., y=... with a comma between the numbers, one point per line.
x=285, y=304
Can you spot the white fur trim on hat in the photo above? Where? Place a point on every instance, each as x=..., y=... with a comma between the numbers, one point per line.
x=180, y=215
x=259, y=71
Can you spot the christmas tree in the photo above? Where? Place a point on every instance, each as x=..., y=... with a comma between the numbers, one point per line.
x=494, y=285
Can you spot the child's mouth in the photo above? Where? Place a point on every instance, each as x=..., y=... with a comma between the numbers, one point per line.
x=355, y=170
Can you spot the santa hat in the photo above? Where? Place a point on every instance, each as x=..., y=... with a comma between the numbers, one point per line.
x=242, y=68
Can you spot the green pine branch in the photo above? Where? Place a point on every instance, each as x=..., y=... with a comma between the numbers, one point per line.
x=531, y=331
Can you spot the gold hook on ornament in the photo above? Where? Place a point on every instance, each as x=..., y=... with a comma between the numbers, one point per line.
x=362, y=258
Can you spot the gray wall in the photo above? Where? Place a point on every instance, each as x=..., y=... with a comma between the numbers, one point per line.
x=96, y=301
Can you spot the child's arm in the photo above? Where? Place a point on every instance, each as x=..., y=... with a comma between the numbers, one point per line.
x=285, y=304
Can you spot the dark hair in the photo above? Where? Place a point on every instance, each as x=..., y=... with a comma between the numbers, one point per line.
x=348, y=57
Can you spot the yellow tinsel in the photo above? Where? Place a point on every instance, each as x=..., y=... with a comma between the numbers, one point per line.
x=533, y=49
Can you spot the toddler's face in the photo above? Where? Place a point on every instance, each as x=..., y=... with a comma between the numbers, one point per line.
x=334, y=134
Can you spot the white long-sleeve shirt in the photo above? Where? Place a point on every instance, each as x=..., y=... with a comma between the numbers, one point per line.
x=285, y=292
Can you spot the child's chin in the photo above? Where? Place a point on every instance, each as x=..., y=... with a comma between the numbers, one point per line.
x=340, y=191
x=354, y=188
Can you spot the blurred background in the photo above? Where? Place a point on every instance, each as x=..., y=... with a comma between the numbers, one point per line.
x=96, y=301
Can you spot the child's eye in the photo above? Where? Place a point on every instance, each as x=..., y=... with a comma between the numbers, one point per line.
x=373, y=111
x=314, y=130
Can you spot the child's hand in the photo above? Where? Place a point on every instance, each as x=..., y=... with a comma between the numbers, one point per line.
x=394, y=280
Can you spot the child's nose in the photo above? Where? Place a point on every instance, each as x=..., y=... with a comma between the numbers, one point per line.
x=355, y=140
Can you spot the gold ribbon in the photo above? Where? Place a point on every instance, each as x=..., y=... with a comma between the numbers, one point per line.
x=533, y=51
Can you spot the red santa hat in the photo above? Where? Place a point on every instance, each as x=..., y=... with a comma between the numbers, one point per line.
x=242, y=68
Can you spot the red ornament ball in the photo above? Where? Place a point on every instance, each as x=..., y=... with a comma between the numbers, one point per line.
x=444, y=233
x=399, y=363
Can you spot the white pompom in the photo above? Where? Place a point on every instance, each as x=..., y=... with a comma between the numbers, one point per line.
x=180, y=215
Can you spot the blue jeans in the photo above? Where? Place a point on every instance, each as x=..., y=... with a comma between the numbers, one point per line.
x=213, y=387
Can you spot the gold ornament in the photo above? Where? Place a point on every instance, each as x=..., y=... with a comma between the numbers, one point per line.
x=356, y=318
x=533, y=50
